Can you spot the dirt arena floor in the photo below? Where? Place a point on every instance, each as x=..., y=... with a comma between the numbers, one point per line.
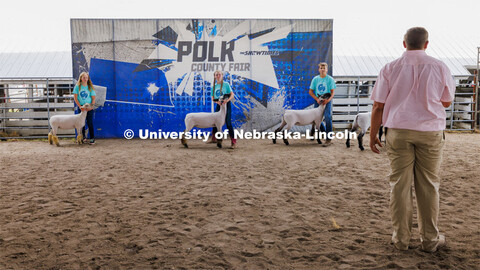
x=151, y=204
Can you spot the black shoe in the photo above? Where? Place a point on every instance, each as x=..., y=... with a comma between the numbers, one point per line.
x=92, y=141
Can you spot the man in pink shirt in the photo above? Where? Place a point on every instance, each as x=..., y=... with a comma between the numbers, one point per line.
x=410, y=97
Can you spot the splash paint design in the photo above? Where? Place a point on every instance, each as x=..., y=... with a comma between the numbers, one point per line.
x=187, y=53
x=152, y=89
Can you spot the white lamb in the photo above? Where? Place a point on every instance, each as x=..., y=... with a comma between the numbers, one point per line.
x=206, y=120
x=76, y=121
x=362, y=121
x=302, y=118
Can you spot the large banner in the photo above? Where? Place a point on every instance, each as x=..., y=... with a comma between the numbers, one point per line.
x=156, y=71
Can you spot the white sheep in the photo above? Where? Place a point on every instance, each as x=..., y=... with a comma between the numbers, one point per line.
x=206, y=120
x=76, y=121
x=362, y=121
x=302, y=118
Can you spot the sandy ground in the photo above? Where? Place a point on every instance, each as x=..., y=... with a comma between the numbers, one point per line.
x=144, y=204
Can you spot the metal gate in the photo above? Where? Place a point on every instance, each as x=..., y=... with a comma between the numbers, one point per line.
x=27, y=104
x=353, y=96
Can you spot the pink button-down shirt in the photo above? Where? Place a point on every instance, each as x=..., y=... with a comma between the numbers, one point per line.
x=412, y=88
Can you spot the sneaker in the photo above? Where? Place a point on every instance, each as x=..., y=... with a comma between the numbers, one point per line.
x=234, y=144
x=327, y=143
x=92, y=141
x=399, y=246
x=440, y=243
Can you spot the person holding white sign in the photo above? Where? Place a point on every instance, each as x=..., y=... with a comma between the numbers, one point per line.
x=85, y=93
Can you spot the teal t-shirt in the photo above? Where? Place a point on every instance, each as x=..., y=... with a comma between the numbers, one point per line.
x=226, y=89
x=84, y=95
x=322, y=85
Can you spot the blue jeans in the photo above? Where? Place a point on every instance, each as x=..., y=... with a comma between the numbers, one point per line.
x=327, y=114
x=228, y=120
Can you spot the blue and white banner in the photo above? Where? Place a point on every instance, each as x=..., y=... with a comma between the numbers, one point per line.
x=157, y=71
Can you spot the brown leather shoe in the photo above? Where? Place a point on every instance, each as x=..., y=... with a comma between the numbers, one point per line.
x=327, y=143
x=441, y=243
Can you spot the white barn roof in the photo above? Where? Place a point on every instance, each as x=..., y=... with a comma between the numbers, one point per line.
x=367, y=59
x=36, y=65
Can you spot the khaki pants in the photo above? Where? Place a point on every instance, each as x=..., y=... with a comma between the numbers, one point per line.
x=415, y=158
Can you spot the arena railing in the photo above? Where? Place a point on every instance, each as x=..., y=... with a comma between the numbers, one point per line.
x=26, y=105
x=353, y=96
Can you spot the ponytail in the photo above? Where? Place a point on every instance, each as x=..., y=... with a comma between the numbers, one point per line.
x=213, y=88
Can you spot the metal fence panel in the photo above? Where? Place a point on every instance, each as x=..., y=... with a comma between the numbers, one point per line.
x=27, y=104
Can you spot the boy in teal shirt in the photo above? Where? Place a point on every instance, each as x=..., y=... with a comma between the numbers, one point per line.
x=322, y=84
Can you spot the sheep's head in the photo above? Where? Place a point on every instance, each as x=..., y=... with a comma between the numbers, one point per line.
x=224, y=98
x=87, y=106
x=325, y=96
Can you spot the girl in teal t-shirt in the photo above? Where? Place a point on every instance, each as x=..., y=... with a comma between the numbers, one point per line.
x=222, y=92
x=85, y=93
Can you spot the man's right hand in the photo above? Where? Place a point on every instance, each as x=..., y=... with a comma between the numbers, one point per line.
x=376, y=122
x=373, y=145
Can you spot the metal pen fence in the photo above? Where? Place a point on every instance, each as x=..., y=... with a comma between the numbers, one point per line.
x=27, y=104
x=461, y=114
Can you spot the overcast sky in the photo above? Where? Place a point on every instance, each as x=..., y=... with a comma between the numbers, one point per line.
x=45, y=25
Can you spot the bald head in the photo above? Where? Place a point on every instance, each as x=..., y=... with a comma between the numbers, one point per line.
x=416, y=38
